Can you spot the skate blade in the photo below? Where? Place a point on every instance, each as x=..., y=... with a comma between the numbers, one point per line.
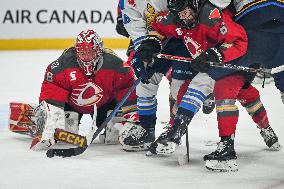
x=149, y=154
x=275, y=147
x=142, y=147
x=166, y=150
x=221, y=166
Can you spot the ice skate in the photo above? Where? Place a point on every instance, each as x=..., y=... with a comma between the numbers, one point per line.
x=224, y=158
x=270, y=139
x=137, y=138
x=171, y=138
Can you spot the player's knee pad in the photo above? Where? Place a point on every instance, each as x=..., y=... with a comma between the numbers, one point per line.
x=192, y=100
x=198, y=89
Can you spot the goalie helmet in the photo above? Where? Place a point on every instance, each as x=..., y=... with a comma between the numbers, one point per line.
x=185, y=11
x=89, y=49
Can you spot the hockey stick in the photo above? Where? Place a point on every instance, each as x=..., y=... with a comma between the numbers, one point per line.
x=79, y=150
x=229, y=66
x=187, y=144
x=184, y=158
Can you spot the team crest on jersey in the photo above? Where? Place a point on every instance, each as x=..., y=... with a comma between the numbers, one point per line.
x=193, y=46
x=215, y=14
x=87, y=95
x=150, y=8
x=150, y=16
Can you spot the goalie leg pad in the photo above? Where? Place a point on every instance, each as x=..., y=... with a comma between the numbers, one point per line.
x=21, y=118
x=111, y=134
x=39, y=144
x=49, y=118
x=72, y=122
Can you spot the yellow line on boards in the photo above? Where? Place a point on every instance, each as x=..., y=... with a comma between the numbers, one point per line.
x=36, y=44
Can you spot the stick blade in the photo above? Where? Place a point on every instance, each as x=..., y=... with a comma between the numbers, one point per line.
x=183, y=159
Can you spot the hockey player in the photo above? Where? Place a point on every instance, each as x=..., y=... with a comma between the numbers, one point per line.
x=137, y=18
x=264, y=24
x=225, y=41
x=84, y=76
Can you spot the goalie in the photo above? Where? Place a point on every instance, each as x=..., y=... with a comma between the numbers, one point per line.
x=84, y=76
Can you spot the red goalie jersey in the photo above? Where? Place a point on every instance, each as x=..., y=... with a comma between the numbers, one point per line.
x=66, y=83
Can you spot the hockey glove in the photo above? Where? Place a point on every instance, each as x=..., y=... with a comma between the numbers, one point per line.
x=120, y=29
x=144, y=57
x=139, y=68
x=149, y=48
x=200, y=63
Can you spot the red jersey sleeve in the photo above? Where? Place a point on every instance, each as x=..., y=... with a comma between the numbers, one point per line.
x=52, y=89
x=234, y=38
x=165, y=25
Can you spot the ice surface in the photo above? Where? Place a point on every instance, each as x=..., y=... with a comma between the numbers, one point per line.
x=103, y=167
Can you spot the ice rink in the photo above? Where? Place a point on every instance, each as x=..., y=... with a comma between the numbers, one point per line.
x=109, y=167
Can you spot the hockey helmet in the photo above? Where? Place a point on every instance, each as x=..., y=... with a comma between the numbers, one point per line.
x=185, y=11
x=89, y=50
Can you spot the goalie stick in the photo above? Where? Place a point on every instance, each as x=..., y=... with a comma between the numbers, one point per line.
x=225, y=65
x=92, y=133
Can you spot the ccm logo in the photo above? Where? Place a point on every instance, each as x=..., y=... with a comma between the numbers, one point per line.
x=70, y=138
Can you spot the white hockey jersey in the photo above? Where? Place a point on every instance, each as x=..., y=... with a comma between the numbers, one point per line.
x=138, y=15
x=221, y=3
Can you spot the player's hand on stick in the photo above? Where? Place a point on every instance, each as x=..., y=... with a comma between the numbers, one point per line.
x=200, y=63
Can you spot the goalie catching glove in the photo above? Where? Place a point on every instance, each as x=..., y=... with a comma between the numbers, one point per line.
x=201, y=63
